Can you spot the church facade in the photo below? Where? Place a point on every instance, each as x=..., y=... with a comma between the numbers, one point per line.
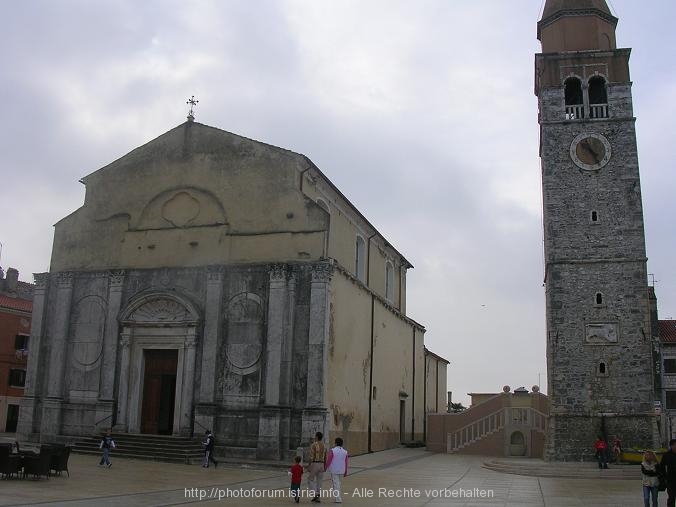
x=599, y=347
x=210, y=281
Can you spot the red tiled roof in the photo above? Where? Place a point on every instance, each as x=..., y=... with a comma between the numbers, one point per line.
x=667, y=330
x=23, y=305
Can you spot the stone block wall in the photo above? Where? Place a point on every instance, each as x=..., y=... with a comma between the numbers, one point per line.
x=599, y=353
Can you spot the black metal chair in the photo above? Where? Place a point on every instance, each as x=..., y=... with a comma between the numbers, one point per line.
x=38, y=466
x=24, y=452
x=59, y=461
x=9, y=463
x=55, y=450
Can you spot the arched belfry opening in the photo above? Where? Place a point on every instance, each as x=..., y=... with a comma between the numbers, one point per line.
x=574, y=98
x=598, y=97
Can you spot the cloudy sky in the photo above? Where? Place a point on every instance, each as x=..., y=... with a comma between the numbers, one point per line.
x=422, y=113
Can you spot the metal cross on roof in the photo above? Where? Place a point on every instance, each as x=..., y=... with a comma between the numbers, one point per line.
x=193, y=102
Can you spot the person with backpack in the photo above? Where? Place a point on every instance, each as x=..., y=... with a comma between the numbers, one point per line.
x=209, y=449
x=107, y=443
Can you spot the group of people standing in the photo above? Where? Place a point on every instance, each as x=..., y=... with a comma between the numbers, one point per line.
x=335, y=462
x=658, y=476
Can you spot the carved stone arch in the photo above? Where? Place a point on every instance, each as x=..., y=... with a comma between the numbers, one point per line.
x=573, y=75
x=160, y=308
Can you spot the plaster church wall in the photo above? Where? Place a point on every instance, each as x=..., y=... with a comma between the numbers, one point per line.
x=213, y=250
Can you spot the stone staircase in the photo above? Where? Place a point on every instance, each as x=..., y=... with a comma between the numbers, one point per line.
x=149, y=447
x=585, y=470
x=475, y=430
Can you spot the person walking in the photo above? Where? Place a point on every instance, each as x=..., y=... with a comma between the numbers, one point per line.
x=315, y=466
x=668, y=464
x=336, y=465
x=601, y=452
x=107, y=443
x=617, y=449
x=296, y=473
x=208, y=444
x=650, y=477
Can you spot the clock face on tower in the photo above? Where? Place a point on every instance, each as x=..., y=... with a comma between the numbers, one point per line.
x=590, y=152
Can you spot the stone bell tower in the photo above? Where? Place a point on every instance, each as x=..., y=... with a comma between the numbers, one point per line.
x=598, y=323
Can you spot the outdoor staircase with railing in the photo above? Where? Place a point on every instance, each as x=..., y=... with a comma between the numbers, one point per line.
x=498, y=426
x=476, y=430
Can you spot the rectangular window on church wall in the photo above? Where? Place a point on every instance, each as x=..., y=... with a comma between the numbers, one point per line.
x=671, y=399
x=670, y=366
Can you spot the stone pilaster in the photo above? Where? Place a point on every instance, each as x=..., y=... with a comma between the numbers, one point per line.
x=188, y=387
x=318, y=338
x=123, y=391
x=286, y=383
x=50, y=424
x=29, y=402
x=269, y=425
x=269, y=446
x=110, y=338
x=210, y=340
x=277, y=313
x=314, y=420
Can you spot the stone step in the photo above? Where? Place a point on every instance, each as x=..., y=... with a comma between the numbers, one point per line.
x=140, y=444
x=569, y=470
x=188, y=459
x=149, y=447
x=149, y=437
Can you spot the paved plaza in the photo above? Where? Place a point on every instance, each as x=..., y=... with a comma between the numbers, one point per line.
x=423, y=477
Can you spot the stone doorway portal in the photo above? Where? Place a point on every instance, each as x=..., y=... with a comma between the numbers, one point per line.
x=159, y=391
x=157, y=365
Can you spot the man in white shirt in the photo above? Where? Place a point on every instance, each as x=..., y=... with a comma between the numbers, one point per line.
x=336, y=465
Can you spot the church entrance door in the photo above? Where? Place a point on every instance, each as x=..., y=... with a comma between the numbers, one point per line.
x=159, y=391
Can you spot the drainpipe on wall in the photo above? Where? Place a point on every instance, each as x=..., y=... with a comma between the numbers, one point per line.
x=370, y=393
x=425, y=398
x=436, y=382
x=413, y=394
